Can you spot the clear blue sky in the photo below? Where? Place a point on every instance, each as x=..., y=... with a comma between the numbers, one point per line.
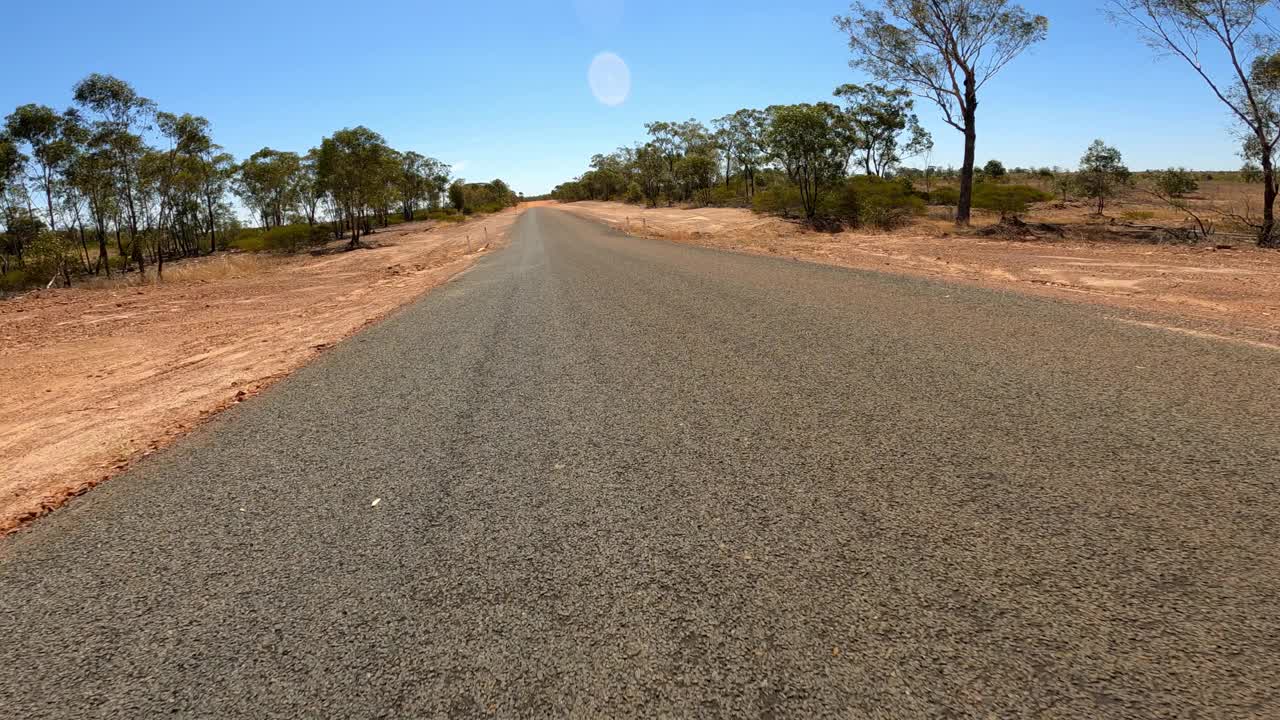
x=500, y=88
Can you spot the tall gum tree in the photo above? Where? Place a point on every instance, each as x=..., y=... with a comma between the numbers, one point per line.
x=943, y=50
x=121, y=111
x=39, y=126
x=1244, y=75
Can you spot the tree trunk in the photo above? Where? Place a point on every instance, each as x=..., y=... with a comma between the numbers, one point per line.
x=213, y=233
x=970, y=112
x=963, y=207
x=48, y=198
x=102, y=251
x=84, y=243
x=1267, y=234
x=137, y=257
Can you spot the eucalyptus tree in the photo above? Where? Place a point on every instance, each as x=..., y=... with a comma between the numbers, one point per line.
x=92, y=174
x=1239, y=37
x=946, y=51
x=458, y=195
x=609, y=176
x=804, y=139
x=306, y=186
x=412, y=182
x=697, y=172
x=12, y=168
x=266, y=181
x=1102, y=173
x=202, y=170
x=41, y=128
x=651, y=170
x=744, y=138
x=348, y=167
x=438, y=174
x=887, y=127
x=122, y=114
x=676, y=140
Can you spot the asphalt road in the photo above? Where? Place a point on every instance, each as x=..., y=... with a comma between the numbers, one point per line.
x=620, y=477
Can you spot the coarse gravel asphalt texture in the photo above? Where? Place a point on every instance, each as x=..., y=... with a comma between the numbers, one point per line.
x=628, y=478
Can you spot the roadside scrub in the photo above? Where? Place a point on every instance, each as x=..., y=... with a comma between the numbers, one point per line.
x=283, y=239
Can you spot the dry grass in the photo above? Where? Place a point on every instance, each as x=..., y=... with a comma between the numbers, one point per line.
x=1220, y=201
x=223, y=266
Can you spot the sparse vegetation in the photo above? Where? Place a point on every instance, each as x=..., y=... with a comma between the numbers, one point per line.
x=114, y=184
x=945, y=50
x=1177, y=182
x=1244, y=32
x=1102, y=174
x=1008, y=200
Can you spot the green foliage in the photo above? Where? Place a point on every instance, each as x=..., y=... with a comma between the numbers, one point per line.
x=994, y=169
x=50, y=255
x=732, y=195
x=266, y=182
x=1007, y=199
x=489, y=197
x=944, y=196
x=282, y=239
x=697, y=173
x=780, y=198
x=458, y=195
x=248, y=240
x=634, y=194
x=445, y=216
x=867, y=200
x=937, y=49
x=1102, y=173
x=885, y=128
x=13, y=280
x=805, y=141
x=354, y=167
x=873, y=201
x=1176, y=182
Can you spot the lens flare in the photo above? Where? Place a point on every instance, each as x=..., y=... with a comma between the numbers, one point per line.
x=610, y=79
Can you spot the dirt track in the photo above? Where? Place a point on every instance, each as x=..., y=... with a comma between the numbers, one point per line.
x=94, y=378
x=1224, y=292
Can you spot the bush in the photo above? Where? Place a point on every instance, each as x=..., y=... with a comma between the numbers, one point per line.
x=782, y=198
x=945, y=196
x=867, y=200
x=13, y=280
x=635, y=195
x=248, y=240
x=444, y=216
x=283, y=239
x=1007, y=199
x=1176, y=182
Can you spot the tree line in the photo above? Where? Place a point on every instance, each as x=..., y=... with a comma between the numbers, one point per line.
x=946, y=52
x=114, y=184
x=805, y=147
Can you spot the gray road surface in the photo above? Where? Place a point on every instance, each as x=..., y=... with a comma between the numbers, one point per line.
x=621, y=477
